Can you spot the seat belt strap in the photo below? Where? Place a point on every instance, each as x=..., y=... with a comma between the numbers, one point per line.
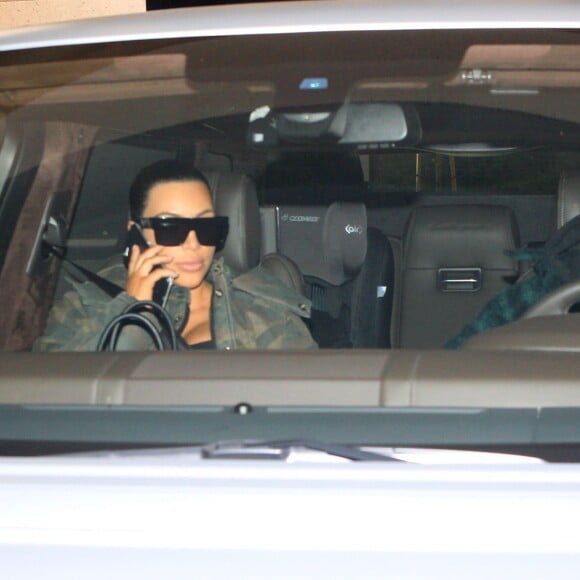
x=105, y=285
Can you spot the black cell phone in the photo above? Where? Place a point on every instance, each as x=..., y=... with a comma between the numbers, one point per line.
x=161, y=288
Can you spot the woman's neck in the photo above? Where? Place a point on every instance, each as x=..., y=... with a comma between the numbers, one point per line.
x=200, y=297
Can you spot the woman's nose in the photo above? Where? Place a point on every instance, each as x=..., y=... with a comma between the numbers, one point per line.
x=191, y=241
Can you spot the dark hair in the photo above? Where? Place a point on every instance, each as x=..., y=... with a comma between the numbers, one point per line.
x=154, y=174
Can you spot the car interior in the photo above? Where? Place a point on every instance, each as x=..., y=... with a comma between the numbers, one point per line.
x=387, y=182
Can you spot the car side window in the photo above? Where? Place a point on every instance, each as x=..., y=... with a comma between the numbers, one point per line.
x=509, y=172
x=99, y=222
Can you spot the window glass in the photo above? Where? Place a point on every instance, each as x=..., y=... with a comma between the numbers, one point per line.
x=101, y=213
x=521, y=172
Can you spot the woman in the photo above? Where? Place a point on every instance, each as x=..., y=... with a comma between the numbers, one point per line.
x=171, y=208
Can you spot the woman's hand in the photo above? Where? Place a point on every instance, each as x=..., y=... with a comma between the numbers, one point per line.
x=146, y=268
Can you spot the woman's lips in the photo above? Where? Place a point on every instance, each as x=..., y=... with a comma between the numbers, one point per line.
x=193, y=266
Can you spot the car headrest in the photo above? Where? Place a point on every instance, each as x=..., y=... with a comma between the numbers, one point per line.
x=457, y=236
x=328, y=243
x=568, y=196
x=235, y=196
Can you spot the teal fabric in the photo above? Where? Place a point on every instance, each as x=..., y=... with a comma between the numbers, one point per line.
x=510, y=304
x=557, y=263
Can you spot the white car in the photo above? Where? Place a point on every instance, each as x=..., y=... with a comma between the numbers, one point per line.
x=412, y=170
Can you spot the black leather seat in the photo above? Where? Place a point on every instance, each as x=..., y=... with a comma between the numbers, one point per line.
x=454, y=261
x=347, y=269
x=348, y=273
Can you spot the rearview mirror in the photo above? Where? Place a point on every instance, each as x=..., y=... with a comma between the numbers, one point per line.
x=361, y=124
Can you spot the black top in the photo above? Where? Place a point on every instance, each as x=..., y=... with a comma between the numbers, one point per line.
x=207, y=345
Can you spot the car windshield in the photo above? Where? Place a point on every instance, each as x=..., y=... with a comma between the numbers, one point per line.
x=384, y=246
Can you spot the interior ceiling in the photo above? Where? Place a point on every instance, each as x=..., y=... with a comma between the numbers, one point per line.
x=536, y=72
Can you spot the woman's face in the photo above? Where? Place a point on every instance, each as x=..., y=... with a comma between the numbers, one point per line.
x=185, y=199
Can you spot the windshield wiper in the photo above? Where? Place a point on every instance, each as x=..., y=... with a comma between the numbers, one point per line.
x=281, y=450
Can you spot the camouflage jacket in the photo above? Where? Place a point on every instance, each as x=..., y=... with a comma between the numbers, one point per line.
x=250, y=311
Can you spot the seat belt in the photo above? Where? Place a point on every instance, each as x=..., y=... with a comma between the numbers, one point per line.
x=105, y=285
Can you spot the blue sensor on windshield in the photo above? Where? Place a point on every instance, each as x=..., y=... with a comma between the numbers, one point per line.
x=314, y=84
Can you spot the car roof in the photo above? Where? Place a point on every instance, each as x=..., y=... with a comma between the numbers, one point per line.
x=296, y=17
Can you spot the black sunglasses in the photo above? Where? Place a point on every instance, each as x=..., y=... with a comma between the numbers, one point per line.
x=173, y=231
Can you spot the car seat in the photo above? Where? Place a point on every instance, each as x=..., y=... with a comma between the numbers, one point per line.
x=235, y=196
x=454, y=261
x=347, y=269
